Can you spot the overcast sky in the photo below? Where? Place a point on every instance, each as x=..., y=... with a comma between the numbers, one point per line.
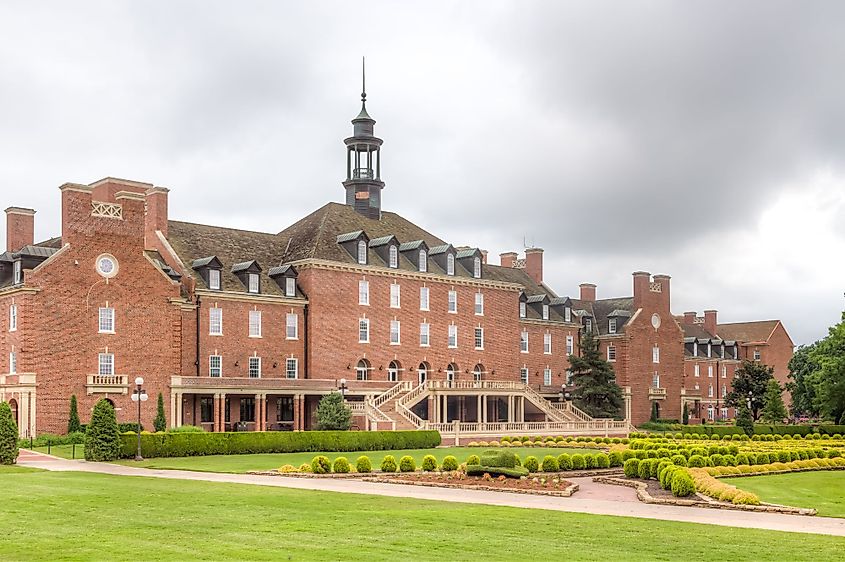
x=702, y=140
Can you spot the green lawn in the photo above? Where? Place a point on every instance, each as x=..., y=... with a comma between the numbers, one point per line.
x=64, y=451
x=15, y=469
x=245, y=463
x=80, y=516
x=822, y=490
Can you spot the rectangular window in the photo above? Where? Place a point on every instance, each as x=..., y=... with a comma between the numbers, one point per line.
x=476, y=268
x=724, y=372
x=13, y=363
x=523, y=310
x=206, y=409
x=255, y=323
x=722, y=351
x=424, y=294
x=547, y=376
x=611, y=326
x=247, y=409
x=284, y=409
x=710, y=413
x=710, y=371
x=253, y=283
x=394, y=332
x=479, y=304
x=570, y=345
x=215, y=321
x=545, y=312
x=724, y=391
x=291, y=326
x=424, y=334
x=364, y=330
x=16, y=269
x=362, y=252
x=13, y=317
x=106, y=364
x=757, y=355
x=393, y=260
x=479, y=338
x=453, y=302
x=655, y=354
x=611, y=353
x=655, y=380
x=523, y=341
x=291, y=368
x=709, y=350
x=588, y=324
x=450, y=264
x=290, y=287
x=453, y=336
x=547, y=344
x=567, y=314
x=363, y=292
x=523, y=375
x=215, y=365
x=214, y=279
x=697, y=370
x=255, y=367
x=724, y=413
x=106, y=320
x=710, y=391
x=394, y=296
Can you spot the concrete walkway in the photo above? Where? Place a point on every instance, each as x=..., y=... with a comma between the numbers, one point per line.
x=593, y=498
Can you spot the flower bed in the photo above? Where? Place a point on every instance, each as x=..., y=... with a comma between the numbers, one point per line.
x=539, y=485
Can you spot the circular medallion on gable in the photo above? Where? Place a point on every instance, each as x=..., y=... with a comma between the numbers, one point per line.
x=655, y=320
x=106, y=265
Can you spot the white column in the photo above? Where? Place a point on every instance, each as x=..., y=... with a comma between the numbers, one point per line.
x=484, y=408
x=179, y=409
x=478, y=409
x=172, y=409
x=445, y=408
x=32, y=414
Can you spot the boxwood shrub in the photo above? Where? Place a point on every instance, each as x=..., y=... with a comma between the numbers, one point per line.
x=682, y=484
x=388, y=464
x=631, y=468
x=341, y=465
x=615, y=458
x=321, y=465
x=363, y=464
x=450, y=463
x=550, y=464
x=473, y=459
x=564, y=461
x=531, y=463
x=407, y=464
x=239, y=443
x=578, y=462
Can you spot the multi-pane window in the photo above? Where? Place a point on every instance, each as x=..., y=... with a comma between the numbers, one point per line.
x=523, y=341
x=523, y=310
x=13, y=362
x=588, y=325
x=697, y=370
x=722, y=351
x=13, y=317
x=453, y=336
x=364, y=330
x=106, y=320
x=570, y=345
x=247, y=409
x=290, y=287
x=655, y=354
x=362, y=370
x=724, y=391
x=423, y=261
x=394, y=332
x=611, y=353
x=394, y=256
x=479, y=338
x=724, y=372
x=611, y=326
x=545, y=312
x=291, y=326
x=424, y=296
x=255, y=367
x=215, y=365
x=425, y=330
x=450, y=372
x=523, y=375
x=16, y=269
x=655, y=380
x=253, y=283
x=724, y=413
x=393, y=372
x=106, y=364
x=453, y=301
x=710, y=413
x=567, y=314
x=284, y=409
x=215, y=321
x=363, y=292
x=255, y=323
x=547, y=344
x=362, y=252
x=569, y=377
x=476, y=268
x=206, y=409
x=757, y=355
x=291, y=368
x=710, y=391
x=547, y=376
x=394, y=296
x=479, y=304
x=710, y=371
x=214, y=279
x=450, y=264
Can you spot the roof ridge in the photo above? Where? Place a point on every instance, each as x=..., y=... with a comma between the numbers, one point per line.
x=222, y=227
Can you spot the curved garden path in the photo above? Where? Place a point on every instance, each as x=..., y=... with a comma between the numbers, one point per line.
x=594, y=498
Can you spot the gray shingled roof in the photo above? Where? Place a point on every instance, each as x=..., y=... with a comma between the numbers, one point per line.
x=36, y=251
x=202, y=262
x=349, y=236
x=280, y=270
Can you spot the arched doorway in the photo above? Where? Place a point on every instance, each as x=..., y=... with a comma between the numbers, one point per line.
x=393, y=371
x=451, y=372
x=362, y=370
x=13, y=404
x=478, y=372
x=422, y=372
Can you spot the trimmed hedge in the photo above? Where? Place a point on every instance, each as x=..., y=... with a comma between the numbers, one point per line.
x=832, y=429
x=241, y=443
x=478, y=470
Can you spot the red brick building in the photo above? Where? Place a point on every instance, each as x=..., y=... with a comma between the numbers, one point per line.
x=247, y=330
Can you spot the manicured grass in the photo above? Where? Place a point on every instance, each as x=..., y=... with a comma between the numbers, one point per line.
x=81, y=516
x=63, y=451
x=15, y=469
x=822, y=490
x=245, y=463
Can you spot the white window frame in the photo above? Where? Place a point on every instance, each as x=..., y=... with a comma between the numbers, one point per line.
x=218, y=368
x=479, y=304
x=523, y=310
x=395, y=295
x=697, y=370
x=425, y=334
x=724, y=413
x=13, y=317
x=214, y=279
x=588, y=325
x=393, y=256
x=395, y=332
x=364, y=292
x=452, y=336
x=425, y=298
x=291, y=326
x=291, y=361
x=611, y=353
x=479, y=338
x=362, y=252
x=523, y=375
x=13, y=362
x=423, y=261
x=254, y=365
x=364, y=330
x=362, y=373
x=17, y=273
x=392, y=372
x=547, y=343
x=570, y=345
x=254, y=284
x=105, y=364
x=709, y=371
x=611, y=326
x=710, y=391
x=523, y=341
x=757, y=355
x=655, y=354
x=255, y=323
x=547, y=376
x=450, y=373
x=450, y=264
x=453, y=302
x=290, y=286
x=724, y=391
x=105, y=320
x=724, y=372
x=567, y=314
x=710, y=412
x=655, y=380
x=215, y=322
x=476, y=267
x=545, y=312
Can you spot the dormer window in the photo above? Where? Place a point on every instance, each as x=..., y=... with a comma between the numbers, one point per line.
x=450, y=264
x=476, y=268
x=523, y=310
x=16, y=268
x=423, y=261
x=588, y=325
x=611, y=326
x=253, y=285
x=290, y=287
x=545, y=312
x=567, y=314
x=362, y=252
x=394, y=257
x=214, y=279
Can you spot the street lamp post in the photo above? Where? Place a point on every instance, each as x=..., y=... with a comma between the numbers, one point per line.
x=139, y=395
x=748, y=403
x=342, y=387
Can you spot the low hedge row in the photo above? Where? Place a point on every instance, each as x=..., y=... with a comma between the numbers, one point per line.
x=759, y=429
x=240, y=443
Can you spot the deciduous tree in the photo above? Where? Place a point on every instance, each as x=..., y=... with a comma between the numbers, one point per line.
x=750, y=381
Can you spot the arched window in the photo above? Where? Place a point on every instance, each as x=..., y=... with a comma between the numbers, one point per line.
x=393, y=371
x=13, y=404
x=476, y=268
x=423, y=261
x=451, y=371
x=394, y=256
x=362, y=252
x=362, y=370
x=478, y=372
x=450, y=264
x=422, y=371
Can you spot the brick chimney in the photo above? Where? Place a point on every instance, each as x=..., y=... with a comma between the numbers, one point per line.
x=534, y=264
x=689, y=318
x=156, y=215
x=507, y=259
x=20, y=228
x=710, y=321
x=588, y=292
x=484, y=256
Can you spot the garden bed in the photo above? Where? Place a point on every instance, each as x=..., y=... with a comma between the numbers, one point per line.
x=538, y=485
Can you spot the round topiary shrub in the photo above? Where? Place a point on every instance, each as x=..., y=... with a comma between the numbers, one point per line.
x=682, y=484
x=550, y=464
x=730, y=460
x=602, y=460
x=407, y=464
x=341, y=465
x=531, y=463
x=388, y=464
x=363, y=464
x=590, y=461
x=783, y=456
x=450, y=463
x=833, y=453
x=762, y=458
x=615, y=458
x=679, y=460
x=429, y=463
x=102, y=439
x=631, y=468
x=628, y=454
x=644, y=469
x=578, y=462
x=564, y=461
x=717, y=460
x=321, y=465
x=473, y=459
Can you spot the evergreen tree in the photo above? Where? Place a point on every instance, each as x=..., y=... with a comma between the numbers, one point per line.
x=685, y=419
x=102, y=439
x=596, y=391
x=73, y=424
x=653, y=412
x=773, y=409
x=333, y=414
x=8, y=435
x=160, y=422
x=744, y=421
x=750, y=381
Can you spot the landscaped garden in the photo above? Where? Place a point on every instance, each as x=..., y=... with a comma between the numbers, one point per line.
x=823, y=491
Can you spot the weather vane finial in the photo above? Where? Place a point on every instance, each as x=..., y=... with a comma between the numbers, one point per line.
x=363, y=80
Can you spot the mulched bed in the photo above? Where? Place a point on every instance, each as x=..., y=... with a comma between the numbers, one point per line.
x=655, y=491
x=540, y=485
